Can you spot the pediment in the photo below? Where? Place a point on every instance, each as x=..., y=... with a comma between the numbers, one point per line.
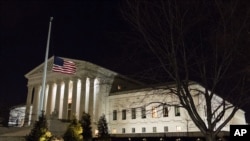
x=82, y=66
x=39, y=69
x=83, y=69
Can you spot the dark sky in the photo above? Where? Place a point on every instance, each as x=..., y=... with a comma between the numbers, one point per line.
x=90, y=30
x=80, y=30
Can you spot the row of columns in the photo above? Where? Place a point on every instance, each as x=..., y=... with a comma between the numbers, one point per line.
x=84, y=97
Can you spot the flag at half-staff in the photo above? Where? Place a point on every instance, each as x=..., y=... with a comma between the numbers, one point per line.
x=64, y=66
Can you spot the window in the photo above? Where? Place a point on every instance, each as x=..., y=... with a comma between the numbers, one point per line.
x=165, y=128
x=123, y=130
x=154, y=129
x=154, y=112
x=165, y=110
x=114, y=114
x=177, y=111
x=133, y=130
x=178, y=128
x=143, y=112
x=114, y=130
x=133, y=113
x=96, y=132
x=123, y=114
x=119, y=87
x=143, y=129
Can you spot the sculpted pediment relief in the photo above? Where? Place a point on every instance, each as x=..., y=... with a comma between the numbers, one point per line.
x=40, y=68
x=82, y=67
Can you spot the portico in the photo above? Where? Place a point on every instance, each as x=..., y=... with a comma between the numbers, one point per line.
x=63, y=95
x=67, y=95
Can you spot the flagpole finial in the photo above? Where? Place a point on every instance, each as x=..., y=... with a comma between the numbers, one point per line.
x=51, y=18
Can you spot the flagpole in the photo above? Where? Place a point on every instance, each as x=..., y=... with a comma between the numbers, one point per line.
x=45, y=69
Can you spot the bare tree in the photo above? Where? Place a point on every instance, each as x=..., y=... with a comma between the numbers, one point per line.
x=198, y=41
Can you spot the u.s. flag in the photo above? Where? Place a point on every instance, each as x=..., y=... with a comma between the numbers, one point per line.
x=63, y=66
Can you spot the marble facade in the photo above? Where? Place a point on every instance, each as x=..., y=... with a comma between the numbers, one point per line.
x=67, y=95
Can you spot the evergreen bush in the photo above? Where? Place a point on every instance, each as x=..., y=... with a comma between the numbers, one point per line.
x=86, y=126
x=40, y=130
x=74, y=131
x=103, y=133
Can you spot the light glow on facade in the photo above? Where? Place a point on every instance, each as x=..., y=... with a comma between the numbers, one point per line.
x=61, y=100
x=128, y=110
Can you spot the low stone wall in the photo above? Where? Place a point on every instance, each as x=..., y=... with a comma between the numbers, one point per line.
x=57, y=127
x=12, y=138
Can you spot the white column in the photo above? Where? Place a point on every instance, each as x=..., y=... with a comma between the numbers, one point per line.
x=91, y=98
x=97, y=97
x=83, y=96
x=36, y=109
x=65, y=100
x=74, y=98
x=28, y=106
x=58, y=97
x=91, y=105
x=49, y=101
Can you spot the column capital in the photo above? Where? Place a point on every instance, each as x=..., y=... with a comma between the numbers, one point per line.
x=66, y=79
x=75, y=78
x=91, y=79
x=30, y=85
x=50, y=82
x=58, y=81
x=90, y=75
x=34, y=84
x=84, y=74
x=83, y=78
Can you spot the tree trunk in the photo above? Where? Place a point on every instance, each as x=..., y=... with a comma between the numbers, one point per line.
x=210, y=137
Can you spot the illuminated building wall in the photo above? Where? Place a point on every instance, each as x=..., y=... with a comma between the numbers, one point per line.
x=98, y=91
x=70, y=95
x=156, y=111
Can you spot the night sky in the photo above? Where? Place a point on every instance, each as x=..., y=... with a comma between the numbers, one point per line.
x=82, y=30
x=90, y=30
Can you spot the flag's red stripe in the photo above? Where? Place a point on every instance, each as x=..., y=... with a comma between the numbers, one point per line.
x=68, y=67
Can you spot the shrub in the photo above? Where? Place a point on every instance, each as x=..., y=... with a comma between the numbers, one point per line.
x=40, y=130
x=74, y=131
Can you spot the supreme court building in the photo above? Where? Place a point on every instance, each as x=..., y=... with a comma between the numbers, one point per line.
x=71, y=94
x=131, y=108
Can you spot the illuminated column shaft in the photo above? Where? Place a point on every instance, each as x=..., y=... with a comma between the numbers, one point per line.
x=74, y=99
x=97, y=101
x=49, y=101
x=58, y=97
x=65, y=100
x=91, y=98
x=83, y=96
x=28, y=104
x=36, y=108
